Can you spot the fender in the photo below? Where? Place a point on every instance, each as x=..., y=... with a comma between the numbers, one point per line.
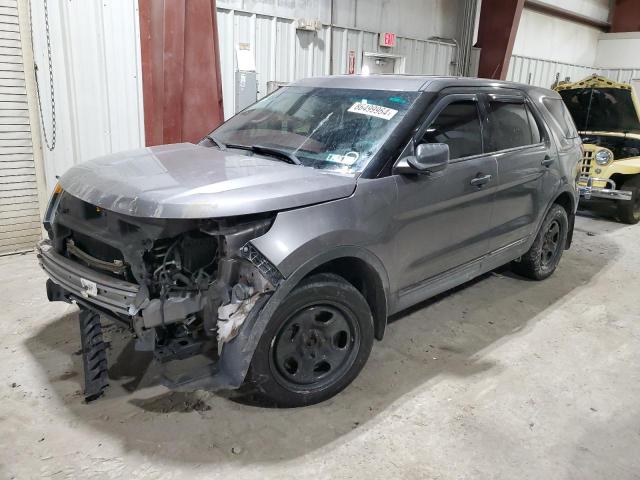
x=627, y=166
x=237, y=354
x=564, y=188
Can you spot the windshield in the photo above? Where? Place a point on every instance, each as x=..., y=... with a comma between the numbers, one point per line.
x=326, y=128
x=602, y=109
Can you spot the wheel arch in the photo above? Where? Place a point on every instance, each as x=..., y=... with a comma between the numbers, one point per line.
x=366, y=279
x=621, y=178
x=374, y=285
x=567, y=201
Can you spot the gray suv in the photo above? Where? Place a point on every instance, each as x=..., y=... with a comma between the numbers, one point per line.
x=271, y=254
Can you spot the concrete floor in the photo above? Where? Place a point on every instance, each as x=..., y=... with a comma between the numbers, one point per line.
x=502, y=378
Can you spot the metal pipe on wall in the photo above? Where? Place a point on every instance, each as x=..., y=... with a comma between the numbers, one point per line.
x=331, y=38
x=466, y=36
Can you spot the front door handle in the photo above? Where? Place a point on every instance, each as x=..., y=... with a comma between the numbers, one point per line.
x=547, y=161
x=480, y=180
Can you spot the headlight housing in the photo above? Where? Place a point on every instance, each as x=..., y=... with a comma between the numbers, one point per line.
x=604, y=157
x=51, y=209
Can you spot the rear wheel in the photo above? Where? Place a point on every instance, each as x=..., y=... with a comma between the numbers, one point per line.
x=544, y=255
x=629, y=210
x=315, y=344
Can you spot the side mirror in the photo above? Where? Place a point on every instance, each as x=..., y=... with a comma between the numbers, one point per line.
x=429, y=158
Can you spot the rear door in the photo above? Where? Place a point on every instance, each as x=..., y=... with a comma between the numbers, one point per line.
x=518, y=141
x=443, y=220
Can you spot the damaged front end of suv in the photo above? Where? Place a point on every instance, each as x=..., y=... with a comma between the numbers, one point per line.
x=208, y=251
x=184, y=286
x=160, y=240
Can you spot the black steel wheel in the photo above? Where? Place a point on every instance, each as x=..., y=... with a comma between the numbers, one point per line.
x=315, y=346
x=550, y=244
x=629, y=210
x=316, y=343
x=544, y=255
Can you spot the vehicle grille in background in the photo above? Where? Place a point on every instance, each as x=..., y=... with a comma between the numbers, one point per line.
x=587, y=163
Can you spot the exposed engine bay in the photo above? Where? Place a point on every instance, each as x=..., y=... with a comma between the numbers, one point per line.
x=622, y=147
x=192, y=281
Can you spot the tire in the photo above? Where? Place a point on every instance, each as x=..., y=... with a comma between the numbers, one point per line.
x=314, y=346
x=629, y=211
x=544, y=255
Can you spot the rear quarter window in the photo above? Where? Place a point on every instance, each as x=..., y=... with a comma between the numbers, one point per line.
x=561, y=115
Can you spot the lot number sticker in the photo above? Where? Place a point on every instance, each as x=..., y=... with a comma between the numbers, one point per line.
x=373, y=110
x=346, y=159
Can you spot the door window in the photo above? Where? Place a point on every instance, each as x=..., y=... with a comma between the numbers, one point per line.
x=458, y=126
x=510, y=125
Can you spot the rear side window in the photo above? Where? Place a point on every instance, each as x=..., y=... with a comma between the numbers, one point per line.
x=510, y=125
x=561, y=115
x=458, y=125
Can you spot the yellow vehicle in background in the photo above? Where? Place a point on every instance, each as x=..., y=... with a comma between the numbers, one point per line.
x=607, y=116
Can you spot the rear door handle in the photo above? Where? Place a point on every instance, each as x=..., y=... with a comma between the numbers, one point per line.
x=547, y=161
x=479, y=181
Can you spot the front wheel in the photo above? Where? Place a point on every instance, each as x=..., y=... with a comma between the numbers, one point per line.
x=544, y=255
x=315, y=344
x=629, y=210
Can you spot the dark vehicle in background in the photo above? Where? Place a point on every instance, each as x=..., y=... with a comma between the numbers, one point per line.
x=274, y=251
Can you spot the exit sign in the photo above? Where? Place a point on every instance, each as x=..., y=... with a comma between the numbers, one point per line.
x=387, y=39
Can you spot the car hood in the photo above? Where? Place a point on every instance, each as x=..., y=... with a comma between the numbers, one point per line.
x=189, y=181
x=599, y=104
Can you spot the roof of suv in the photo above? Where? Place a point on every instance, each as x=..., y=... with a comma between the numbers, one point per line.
x=411, y=83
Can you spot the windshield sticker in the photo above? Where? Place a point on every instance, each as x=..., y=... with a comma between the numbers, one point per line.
x=373, y=110
x=346, y=159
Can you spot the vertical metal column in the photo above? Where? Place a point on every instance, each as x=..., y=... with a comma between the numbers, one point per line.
x=182, y=85
x=499, y=21
x=625, y=16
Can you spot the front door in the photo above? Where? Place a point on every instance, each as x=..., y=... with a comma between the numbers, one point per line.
x=443, y=220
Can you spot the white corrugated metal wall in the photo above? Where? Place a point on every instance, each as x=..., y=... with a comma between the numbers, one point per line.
x=97, y=79
x=19, y=207
x=280, y=53
x=542, y=73
x=624, y=75
x=284, y=54
x=97, y=69
x=421, y=56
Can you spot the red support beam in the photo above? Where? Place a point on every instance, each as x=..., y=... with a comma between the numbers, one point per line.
x=626, y=16
x=499, y=20
x=563, y=13
x=181, y=81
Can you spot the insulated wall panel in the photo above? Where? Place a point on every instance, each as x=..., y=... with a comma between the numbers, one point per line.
x=542, y=73
x=624, y=75
x=283, y=53
x=95, y=50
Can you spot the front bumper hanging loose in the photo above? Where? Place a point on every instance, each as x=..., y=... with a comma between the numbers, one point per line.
x=588, y=191
x=107, y=292
x=99, y=295
x=111, y=294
